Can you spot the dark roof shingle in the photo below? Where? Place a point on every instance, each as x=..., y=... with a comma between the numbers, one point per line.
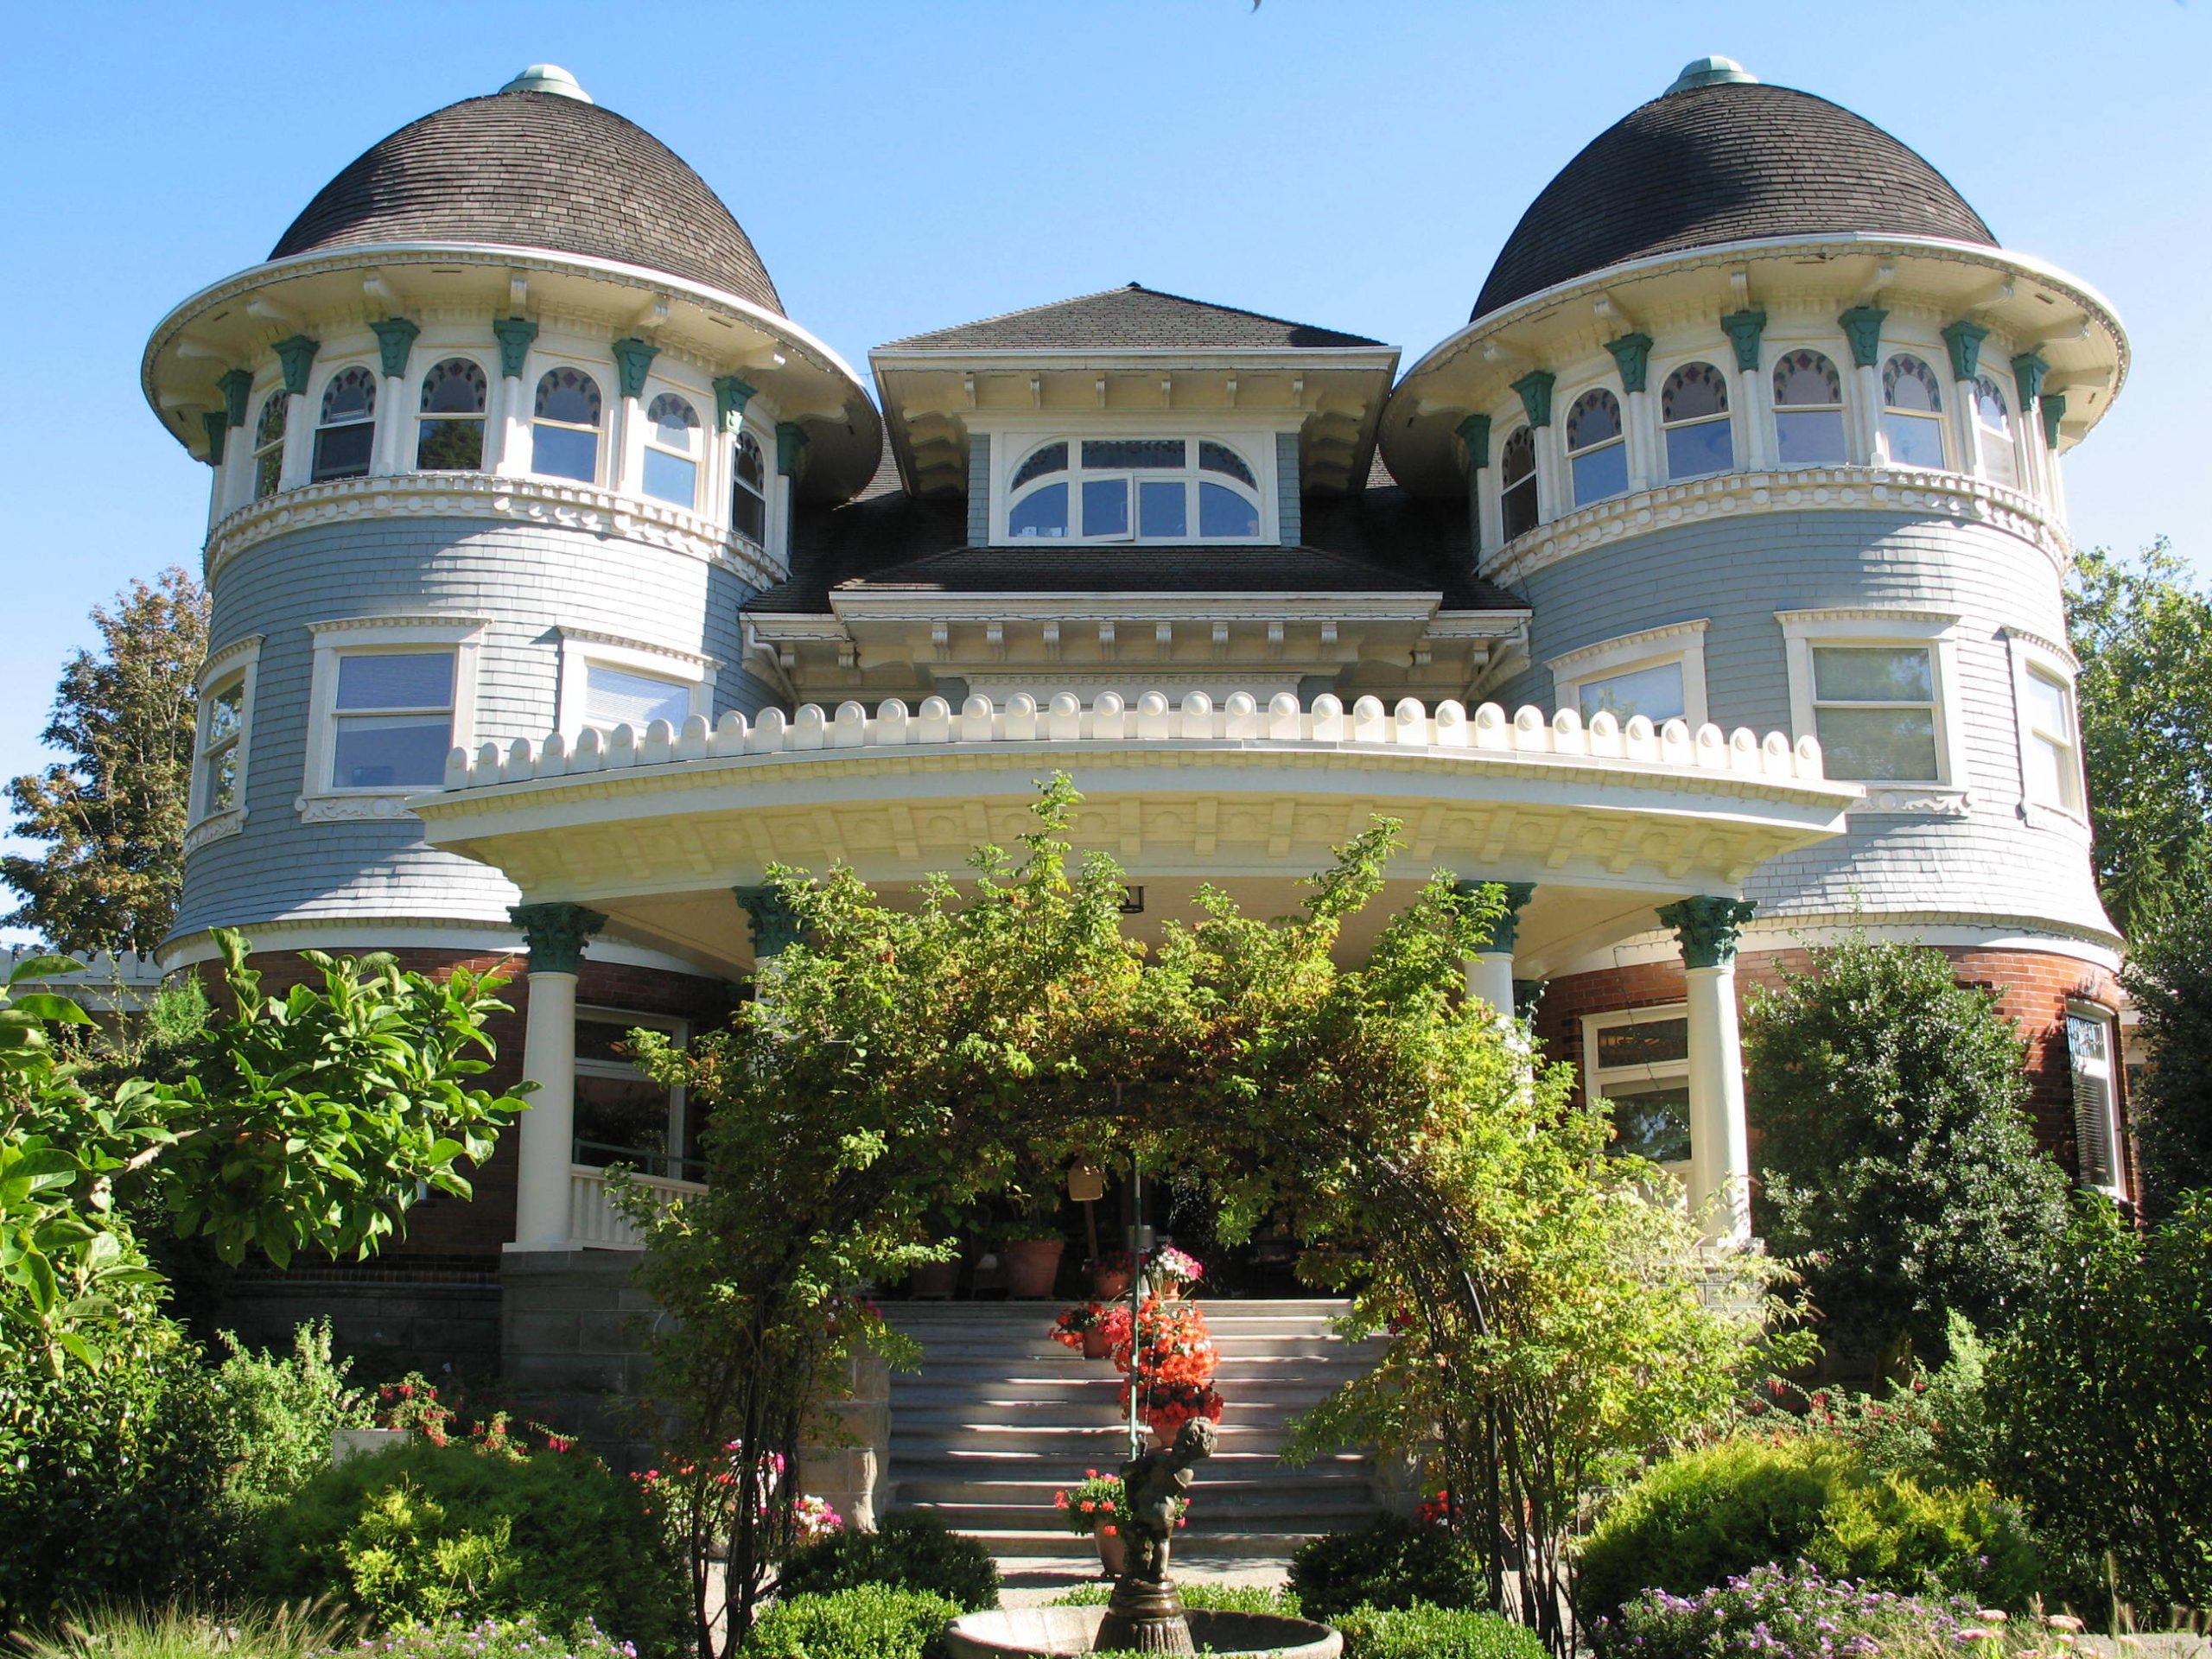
x=533, y=169
x=1724, y=162
x=1130, y=318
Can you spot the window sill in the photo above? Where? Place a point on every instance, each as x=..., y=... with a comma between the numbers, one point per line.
x=2037, y=816
x=216, y=826
x=1912, y=800
x=356, y=806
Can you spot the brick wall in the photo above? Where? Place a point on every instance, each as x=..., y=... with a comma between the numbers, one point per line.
x=2033, y=988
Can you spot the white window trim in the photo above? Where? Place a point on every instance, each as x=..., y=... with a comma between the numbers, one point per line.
x=1514, y=427
x=1946, y=392
x=1656, y=1072
x=725, y=450
x=2114, y=1065
x=606, y=460
x=1677, y=642
x=319, y=799
x=1946, y=795
x=379, y=414
x=678, y=1102
x=239, y=660
x=2031, y=653
x=581, y=648
x=1848, y=400
x=1253, y=442
x=412, y=420
x=1625, y=441
x=1722, y=363
x=703, y=438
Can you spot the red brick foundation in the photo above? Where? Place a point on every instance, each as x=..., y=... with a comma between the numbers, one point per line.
x=2033, y=988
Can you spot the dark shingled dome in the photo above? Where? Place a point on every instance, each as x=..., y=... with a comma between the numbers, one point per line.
x=534, y=169
x=1726, y=161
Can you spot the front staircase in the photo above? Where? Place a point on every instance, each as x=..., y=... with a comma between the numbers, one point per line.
x=1001, y=1417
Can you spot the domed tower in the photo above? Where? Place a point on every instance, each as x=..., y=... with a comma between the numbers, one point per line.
x=1764, y=426
x=504, y=431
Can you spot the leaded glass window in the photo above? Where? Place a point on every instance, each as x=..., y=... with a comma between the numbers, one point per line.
x=449, y=427
x=564, y=429
x=1133, y=489
x=671, y=451
x=1808, y=412
x=1516, y=480
x=1595, y=450
x=1912, y=412
x=346, y=436
x=2000, y=461
x=269, y=444
x=1694, y=414
x=749, y=490
x=1051, y=457
x=1638, y=1064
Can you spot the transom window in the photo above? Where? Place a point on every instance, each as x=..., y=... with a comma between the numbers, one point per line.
x=564, y=429
x=1655, y=692
x=2000, y=462
x=1640, y=1061
x=1516, y=483
x=1809, y=410
x=2049, y=760
x=1133, y=489
x=345, y=434
x=450, y=428
x=1595, y=447
x=269, y=444
x=1874, y=712
x=1694, y=414
x=621, y=696
x=1912, y=412
x=672, y=450
x=222, y=726
x=749, y=490
x=392, y=719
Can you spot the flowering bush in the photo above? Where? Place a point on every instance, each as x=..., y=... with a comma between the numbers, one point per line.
x=488, y=1638
x=1167, y=1406
x=1174, y=1361
x=690, y=1501
x=1434, y=1510
x=411, y=1405
x=1101, y=1501
x=1178, y=1267
x=1793, y=1613
x=1072, y=1327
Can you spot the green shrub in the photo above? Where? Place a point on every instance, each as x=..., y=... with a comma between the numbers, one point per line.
x=1422, y=1631
x=437, y=1533
x=1702, y=1517
x=1389, y=1563
x=135, y=1630
x=910, y=1550
x=1791, y=1613
x=863, y=1621
x=487, y=1638
x=1199, y=1598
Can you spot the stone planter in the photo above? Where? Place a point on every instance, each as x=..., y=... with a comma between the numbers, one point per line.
x=1032, y=1632
x=934, y=1281
x=1113, y=1550
x=363, y=1442
x=1031, y=1264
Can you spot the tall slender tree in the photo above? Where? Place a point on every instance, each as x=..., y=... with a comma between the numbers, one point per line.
x=112, y=814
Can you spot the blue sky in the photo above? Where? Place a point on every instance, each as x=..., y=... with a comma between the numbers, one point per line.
x=1354, y=163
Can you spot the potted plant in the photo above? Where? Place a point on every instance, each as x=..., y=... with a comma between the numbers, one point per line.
x=1030, y=1247
x=1098, y=1505
x=1086, y=1326
x=1172, y=1272
x=1110, y=1276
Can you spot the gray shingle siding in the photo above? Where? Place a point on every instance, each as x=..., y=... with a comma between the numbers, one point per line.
x=1290, y=501
x=530, y=581
x=1739, y=574
x=979, y=489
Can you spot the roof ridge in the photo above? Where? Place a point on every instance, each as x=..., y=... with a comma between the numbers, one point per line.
x=1213, y=306
x=1019, y=311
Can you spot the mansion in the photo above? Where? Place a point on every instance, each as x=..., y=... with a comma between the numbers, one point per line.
x=1704, y=588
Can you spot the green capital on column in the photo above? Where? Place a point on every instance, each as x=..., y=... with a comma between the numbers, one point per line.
x=297, y=354
x=235, y=384
x=1474, y=432
x=219, y=428
x=1535, y=389
x=732, y=394
x=395, y=339
x=2054, y=411
x=791, y=444
x=1964, y=340
x=1862, y=327
x=2028, y=371
x=556, y=934
x=1743, y=329
x=1505, y=928
x=514, y=335
x=1707, y=928
x=775, y=924
x=1632, y=357
x=632, y=359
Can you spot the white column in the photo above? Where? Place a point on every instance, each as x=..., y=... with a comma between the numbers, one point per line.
x=299, y=442
x=1642, y=440
x=1489, y=972
x=1721, y=1156
x=549, y=1127
x=392, y=419
x=1966, y=426
x=508, y=427
x=1867, y=418
x=625, y=448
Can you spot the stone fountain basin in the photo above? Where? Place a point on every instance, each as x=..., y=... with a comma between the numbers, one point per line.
x=1047, y=1632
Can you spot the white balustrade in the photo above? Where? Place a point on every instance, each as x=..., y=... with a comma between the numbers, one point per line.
x=594, y=1223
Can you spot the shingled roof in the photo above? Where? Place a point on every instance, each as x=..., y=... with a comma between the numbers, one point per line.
x=1724, y=161
x=534, y=169
x=1131, y=318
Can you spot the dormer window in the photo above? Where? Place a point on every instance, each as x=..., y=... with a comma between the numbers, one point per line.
x=1133, y=489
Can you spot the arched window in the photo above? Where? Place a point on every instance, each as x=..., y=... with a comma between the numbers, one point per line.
x=1516, y=483
x=1133, y=489
x=671, y=451
x=269, y=444
x=449, y=430
x=1595, y=448
x=2000, y=461
x=1694, y=414
x=564, y=428
x=1912, y=412
x=347, y=433
x=1808, y=412
x=749, y=490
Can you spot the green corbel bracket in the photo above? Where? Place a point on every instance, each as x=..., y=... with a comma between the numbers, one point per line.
x=395, y=339
x=1535, y=389
x=632, y=359
x=297, y=354
x=1745, y=329
x=1632, y=357
x=515, y=335
x=1964, y=340
x=1862, y=327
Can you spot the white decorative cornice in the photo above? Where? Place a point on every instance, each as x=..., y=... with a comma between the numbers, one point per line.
x=1745, y=496
x=534, y=501
x=1919, y=800
x=220, y=662
x=592, y=636
x=2056, y=648
x=216, y=826
x=1626, y=644
x=352, y=809
x=1900, y=615
x=448, y=622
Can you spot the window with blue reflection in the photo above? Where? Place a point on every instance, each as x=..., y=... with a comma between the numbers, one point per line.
x=564, y=428
x=1596, y=447
x=1694, y=414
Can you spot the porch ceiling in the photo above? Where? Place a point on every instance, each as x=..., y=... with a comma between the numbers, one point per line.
x=1607, y=821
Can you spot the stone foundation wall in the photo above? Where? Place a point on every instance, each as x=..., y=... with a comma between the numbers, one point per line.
x=444, y=1322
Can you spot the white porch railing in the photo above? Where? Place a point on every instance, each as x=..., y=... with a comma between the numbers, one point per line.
x=595, y=1223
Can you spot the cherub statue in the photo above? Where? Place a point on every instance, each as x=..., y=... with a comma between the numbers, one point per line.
x=1154, y=1483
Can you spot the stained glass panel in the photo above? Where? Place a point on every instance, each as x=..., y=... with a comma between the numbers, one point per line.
x=1807, y=380
x=1595, y=419
x=1695, y=391
x=1220, y=458
x=569, y=396
x=456, y=386
x=1053, y=458
x=1909, y=384
x=1104, y=454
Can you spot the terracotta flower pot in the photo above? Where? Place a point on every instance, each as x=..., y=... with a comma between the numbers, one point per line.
x=1113, y=1550
x=1109, y=1284
x=1097, y=1344
x=1031, y=1265
x=934, y=1280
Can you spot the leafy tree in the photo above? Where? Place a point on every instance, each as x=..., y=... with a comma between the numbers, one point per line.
x=2102, y=1403
x=2143, y=631
x=986, y=1037
x=113, y=813
x=2169, y=976
x=1898, y=1158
